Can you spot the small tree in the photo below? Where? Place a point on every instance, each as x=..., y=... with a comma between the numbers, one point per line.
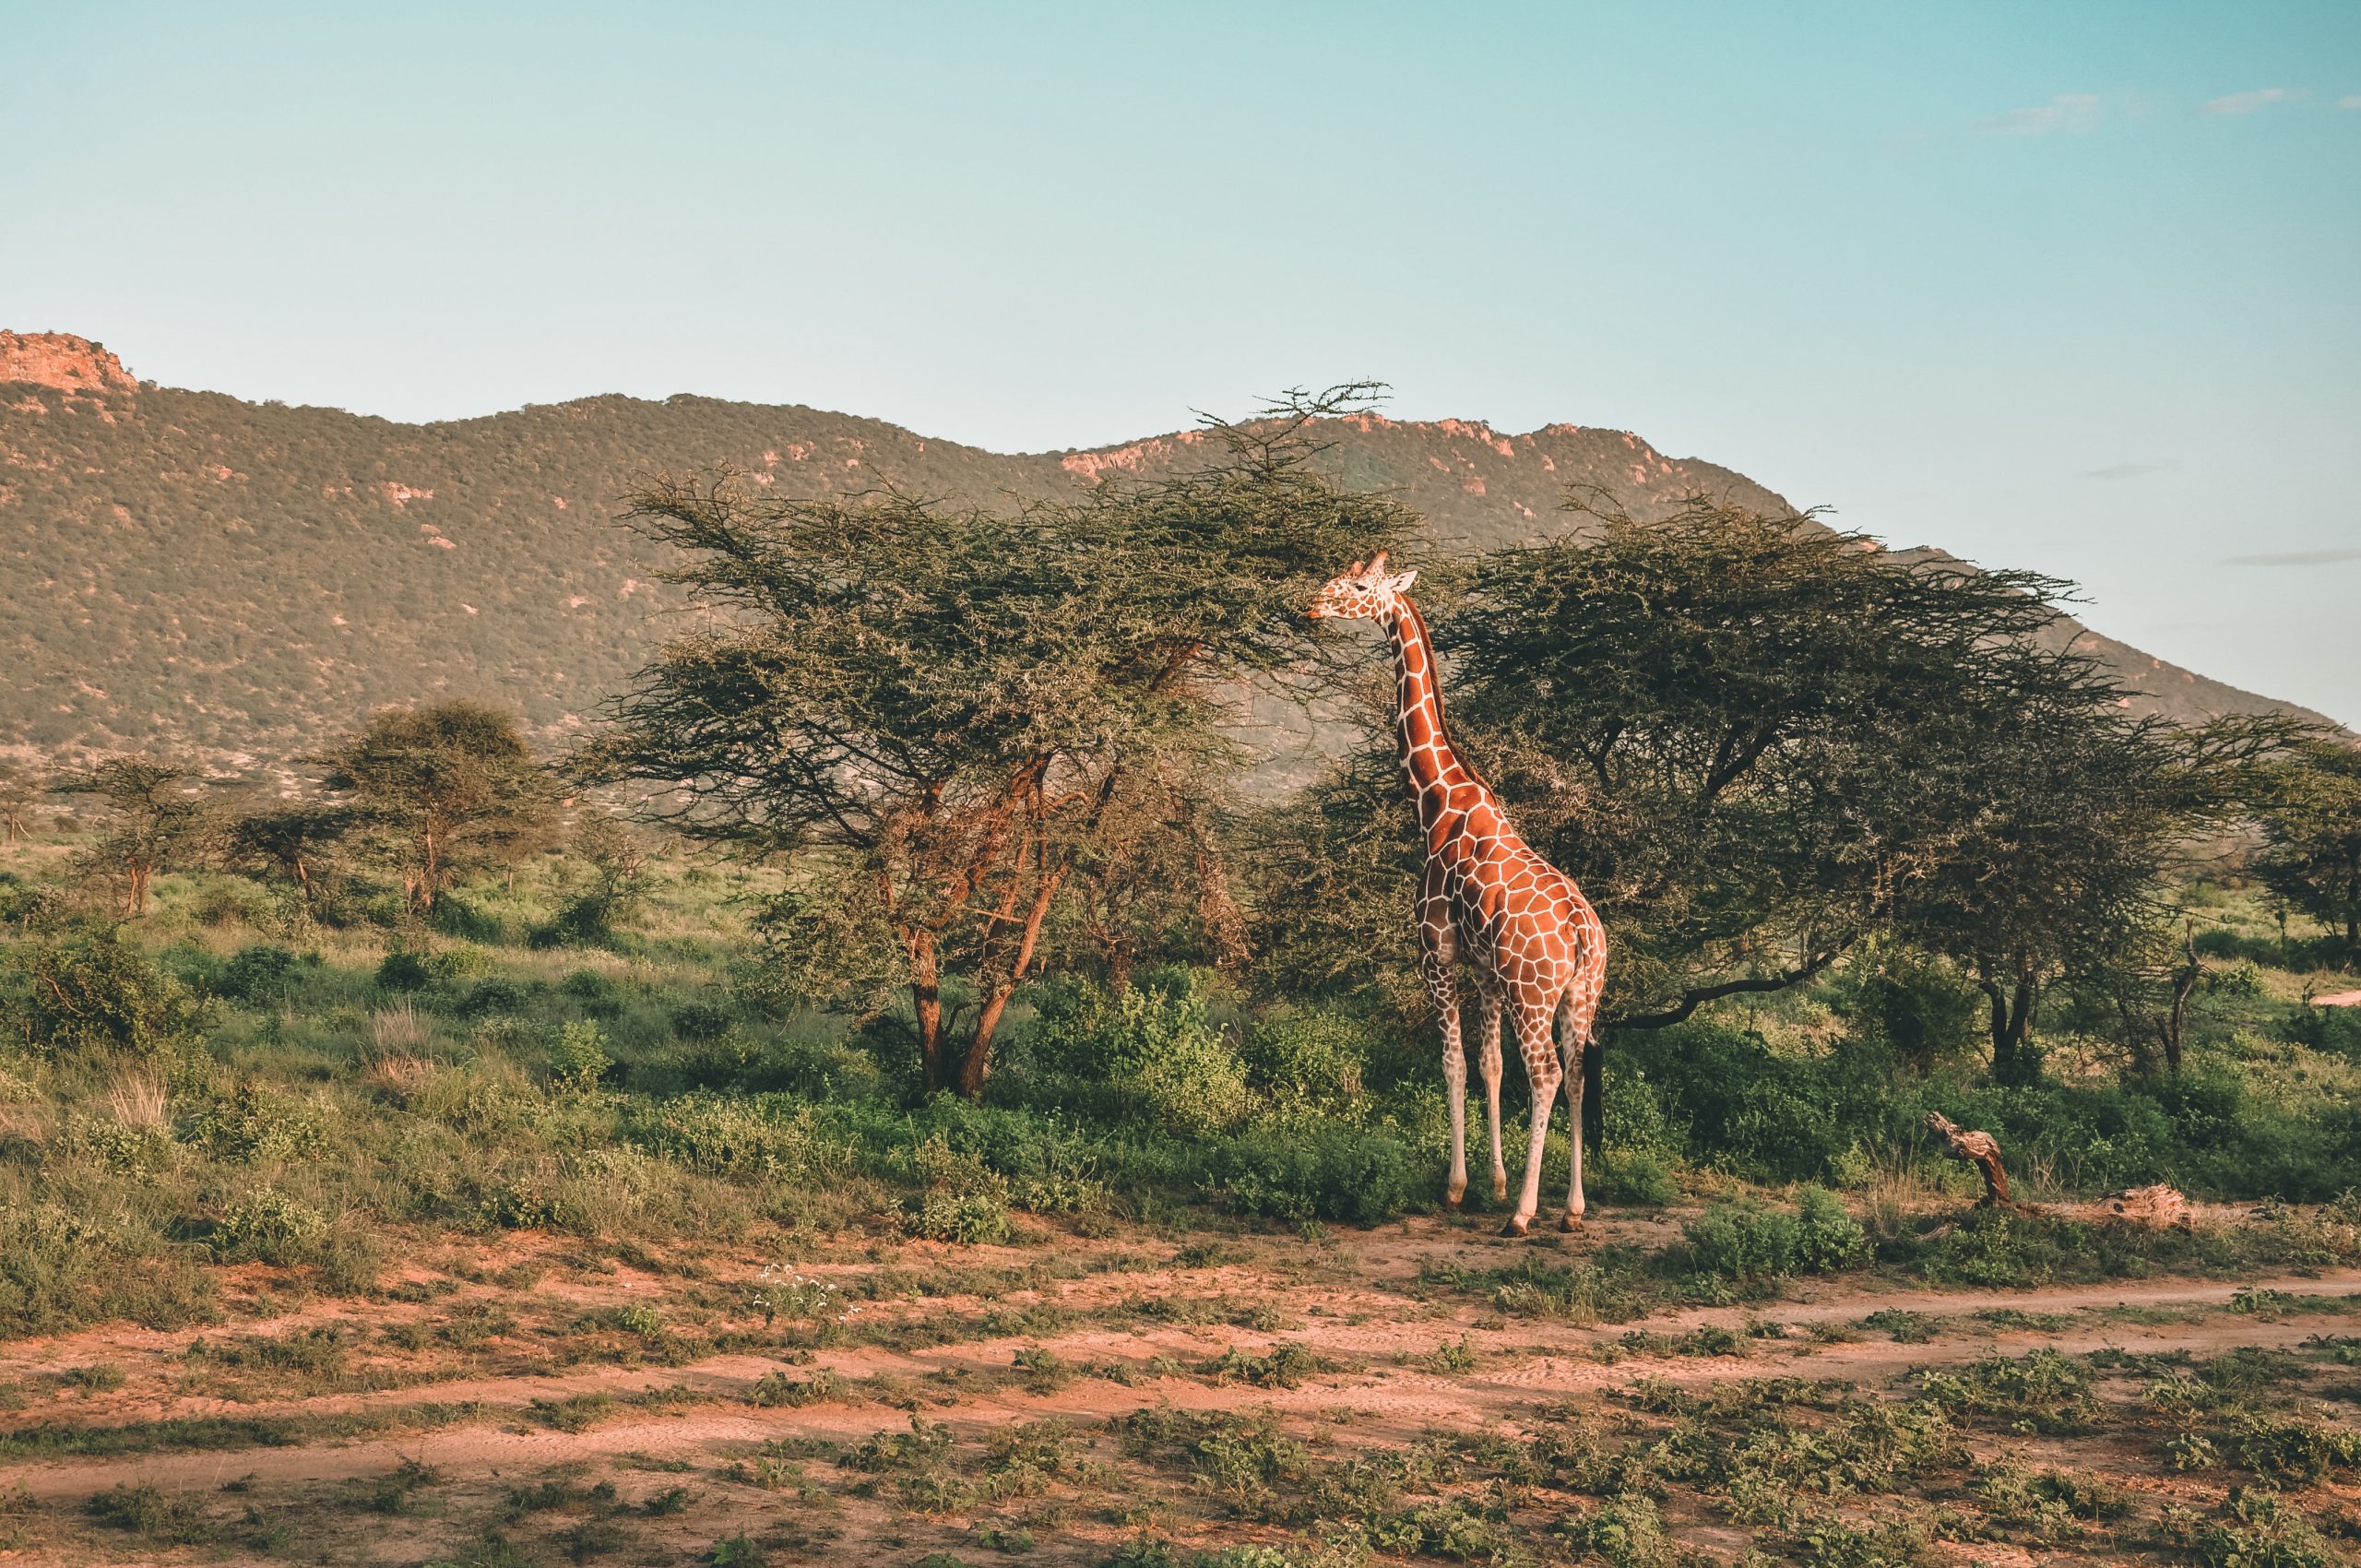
x=449, y=789
x=2310, y=810
x=288, y=840
x=937, y=716
x=19, y=790
x=155, y=813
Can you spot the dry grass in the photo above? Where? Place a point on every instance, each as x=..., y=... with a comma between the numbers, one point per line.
x=136, y=1097
x=400, y=1078
x=398, y=1031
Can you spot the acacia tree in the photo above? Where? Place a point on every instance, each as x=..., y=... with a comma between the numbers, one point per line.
x=2310, y=810
x=155, y=813
x=449, y=789
x=1755, y=742
x=19, y=790
x=292, y=840
x=937, y=715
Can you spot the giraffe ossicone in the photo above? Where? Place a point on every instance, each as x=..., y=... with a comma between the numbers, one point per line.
x=1533, y=943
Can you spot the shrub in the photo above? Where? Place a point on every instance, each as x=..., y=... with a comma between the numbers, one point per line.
x=701, y=1020
x=255, y=1123
x=1324, y=1171
x=58, y=1271
x=1157, y=1048
x=493, y=996
x=2241, y=978
x=267, y=1226
x=1743, y=1242
x=579, y=1059
x=404, y=971
x=728, y=1135
x=1309, y=1056
x=1828, y=1239
x=975, y=1219
x=94, y=990
x=1628, y=1532
x=1750, y=1244
x=258, y=974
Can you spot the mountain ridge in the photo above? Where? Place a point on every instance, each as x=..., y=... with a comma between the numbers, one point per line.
x=188, y=569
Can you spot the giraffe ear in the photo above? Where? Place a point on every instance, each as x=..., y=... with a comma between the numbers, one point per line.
x=1403, y=580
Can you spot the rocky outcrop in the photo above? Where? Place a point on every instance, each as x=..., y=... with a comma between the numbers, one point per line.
x=61, y=360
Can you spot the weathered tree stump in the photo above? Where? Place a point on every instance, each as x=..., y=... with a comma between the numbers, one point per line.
x=2158, y=1208
x=1979, y=1149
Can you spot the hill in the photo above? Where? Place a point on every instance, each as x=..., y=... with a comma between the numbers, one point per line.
x=185, y=568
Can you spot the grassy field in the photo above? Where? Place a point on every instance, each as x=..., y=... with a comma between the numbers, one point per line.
x=463, y=1245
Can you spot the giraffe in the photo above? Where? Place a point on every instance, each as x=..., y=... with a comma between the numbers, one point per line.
x=1536, y=946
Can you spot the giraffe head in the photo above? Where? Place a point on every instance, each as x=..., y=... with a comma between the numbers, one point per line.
x=1364, y=592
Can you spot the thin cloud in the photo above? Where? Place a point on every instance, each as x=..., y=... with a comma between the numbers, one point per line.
x=2350, y=101
x=2297, y=558
x=2066, y=112
x=2247, y=102
x=2126, y=471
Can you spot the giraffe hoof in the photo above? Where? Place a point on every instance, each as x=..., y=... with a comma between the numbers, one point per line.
x=1451, y=1205
x=1571, y=1222
x=1513, y=1227
x=1501, y=1190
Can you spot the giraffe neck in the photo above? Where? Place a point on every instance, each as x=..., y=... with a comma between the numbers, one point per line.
x=1428, y=760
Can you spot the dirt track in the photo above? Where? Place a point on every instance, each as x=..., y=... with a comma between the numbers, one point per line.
x=1382, y=1340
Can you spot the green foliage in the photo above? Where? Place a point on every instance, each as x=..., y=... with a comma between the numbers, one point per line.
x=92, y=988
x=941, y=699
x=153, y=1515
x=267, y=1226
x=1626, y=1532
x=2311, y=826
x=1751, y=1245
x=447, y=787
x=1155, y=1048
x=1319, y=1170
x=579, y=1059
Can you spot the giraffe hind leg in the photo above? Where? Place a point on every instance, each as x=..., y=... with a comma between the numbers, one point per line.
x=1575, y=1013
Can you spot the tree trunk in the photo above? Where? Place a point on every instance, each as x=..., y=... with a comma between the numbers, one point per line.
x=977, y=1064
x=2012, y=1023
x=925, y=1006
x=2184, y=981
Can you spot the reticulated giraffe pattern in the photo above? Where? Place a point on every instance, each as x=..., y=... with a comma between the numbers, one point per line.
x=1533, y=943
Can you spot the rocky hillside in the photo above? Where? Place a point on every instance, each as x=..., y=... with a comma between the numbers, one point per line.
x=184, y=568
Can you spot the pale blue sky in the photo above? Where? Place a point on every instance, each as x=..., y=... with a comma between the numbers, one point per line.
x=2071, y=287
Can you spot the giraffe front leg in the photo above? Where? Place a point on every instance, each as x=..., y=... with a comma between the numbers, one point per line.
x=1487, y=1027
x=1541, y=1053
x=1454, y=1089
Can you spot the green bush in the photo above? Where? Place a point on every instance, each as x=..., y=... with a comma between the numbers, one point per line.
x=258, y=974
x=403, y=969
x=93, y=990
x=59, y=1271
x=257, y=1123
x=1751, y=1245
x=579, y=1059
x=1324, y=1170
x=1828, y=1239
x=1157, y=1048
x=267, y=1226
x=1309, y=1056
x=494, y=996
x=724, y=1135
